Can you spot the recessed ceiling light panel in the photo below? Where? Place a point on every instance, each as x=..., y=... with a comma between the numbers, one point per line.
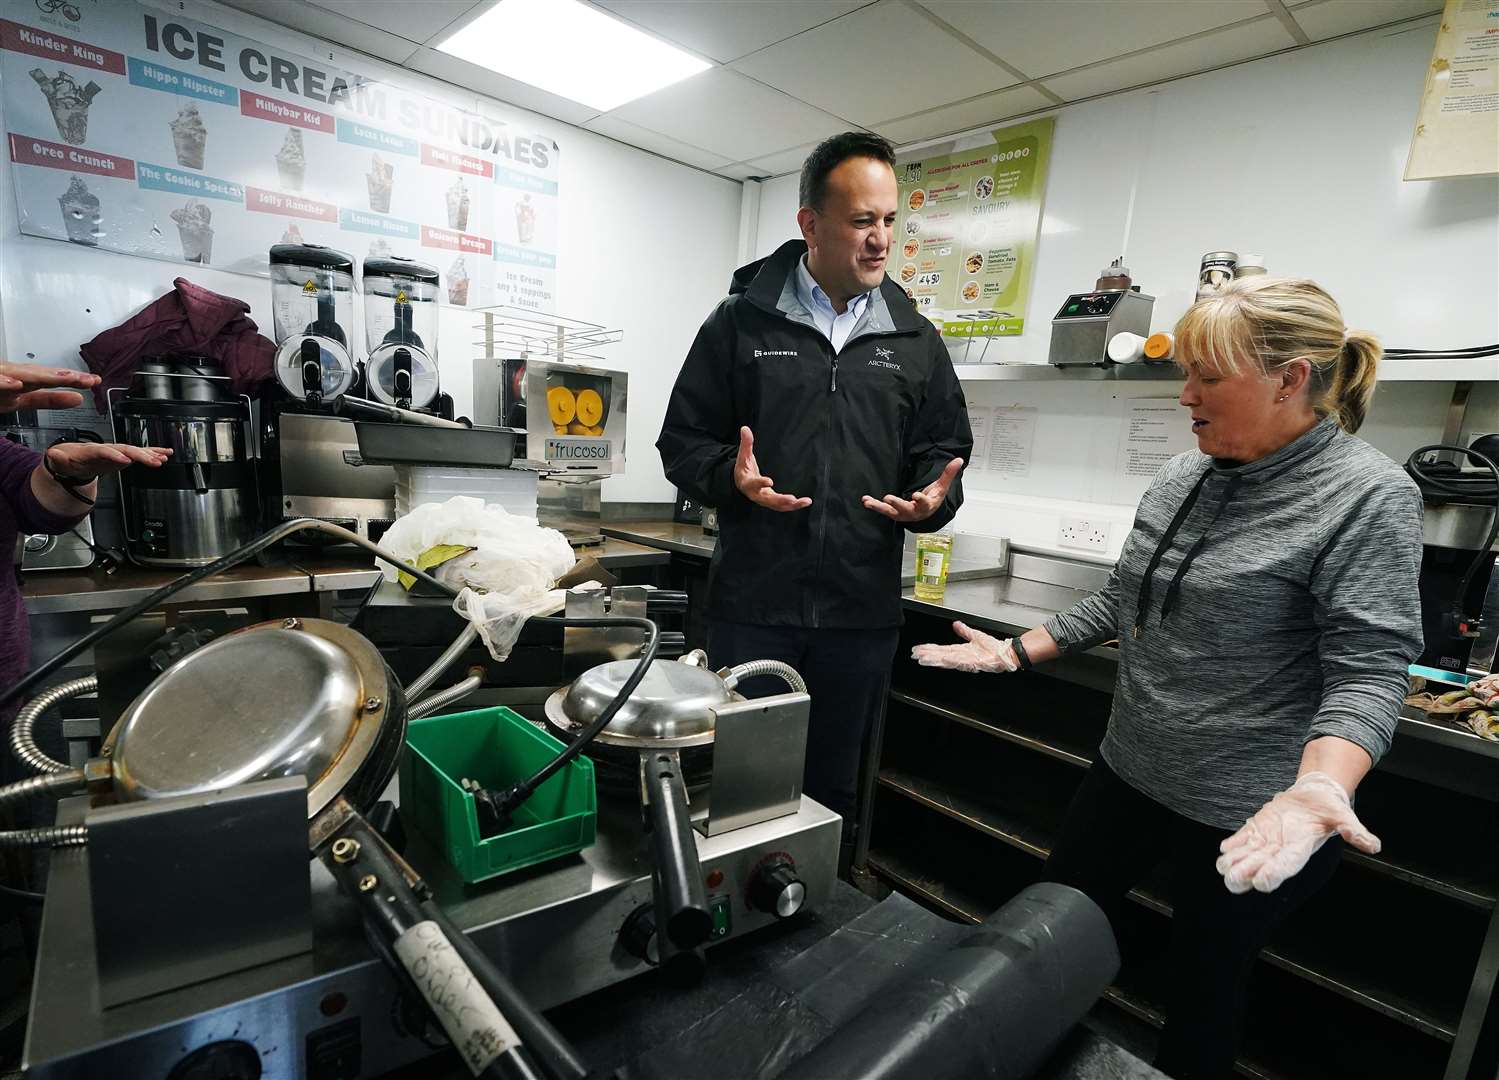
x=572, y=50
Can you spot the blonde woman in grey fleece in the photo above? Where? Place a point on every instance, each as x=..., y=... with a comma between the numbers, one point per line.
x=1266, y=609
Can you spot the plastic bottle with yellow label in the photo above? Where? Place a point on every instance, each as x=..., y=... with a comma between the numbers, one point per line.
x=933, y=550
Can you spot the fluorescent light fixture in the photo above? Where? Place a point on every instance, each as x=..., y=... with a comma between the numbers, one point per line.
x=572, y=50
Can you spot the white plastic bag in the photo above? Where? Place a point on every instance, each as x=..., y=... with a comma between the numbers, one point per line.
x=509, y=576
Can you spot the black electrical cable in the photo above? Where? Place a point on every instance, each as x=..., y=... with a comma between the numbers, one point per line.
x=516, y=794
x=26, y=896
x=506, y=803
x=1464, y=490
x=1445, y=354
x=167, y=591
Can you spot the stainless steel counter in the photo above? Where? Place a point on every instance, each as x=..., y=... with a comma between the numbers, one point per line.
x=691, y=540
x=665, y=535
x=986, y=597
x=53, y=592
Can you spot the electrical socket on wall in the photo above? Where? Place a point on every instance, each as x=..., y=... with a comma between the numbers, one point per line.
x=1083, y=534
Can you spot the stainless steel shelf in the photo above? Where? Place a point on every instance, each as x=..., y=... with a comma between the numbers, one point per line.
x=1414, y=871
x=1009, y=731
x=1141, y=372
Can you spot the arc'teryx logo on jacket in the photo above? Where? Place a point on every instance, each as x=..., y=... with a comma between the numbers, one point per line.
x=883, y=416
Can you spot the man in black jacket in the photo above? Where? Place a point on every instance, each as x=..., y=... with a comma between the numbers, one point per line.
x=820, y=414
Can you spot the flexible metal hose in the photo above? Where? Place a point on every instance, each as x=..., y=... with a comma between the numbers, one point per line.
x=51, y=836
x=749, y=670
x=425, y=681
x=61, y=783
x=23, y=742
x=443, y=698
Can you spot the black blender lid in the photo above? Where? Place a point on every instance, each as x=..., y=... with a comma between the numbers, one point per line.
x=311, y=255
x=395, y=266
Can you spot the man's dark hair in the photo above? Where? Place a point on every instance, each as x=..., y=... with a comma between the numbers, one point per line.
x=831, y=153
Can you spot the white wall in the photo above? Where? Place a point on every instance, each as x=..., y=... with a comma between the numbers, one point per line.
x=646, y=245
x=1296, y=157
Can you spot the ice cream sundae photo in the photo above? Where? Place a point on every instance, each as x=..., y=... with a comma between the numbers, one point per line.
x=458, y=206
x=70, y=103
x=291, y=160
x=194, y=227
x=380, y=179
x=189, y=137
x=458, y=282
x=80, y=213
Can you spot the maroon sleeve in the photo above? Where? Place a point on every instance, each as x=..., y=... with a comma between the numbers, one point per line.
x=16, y=466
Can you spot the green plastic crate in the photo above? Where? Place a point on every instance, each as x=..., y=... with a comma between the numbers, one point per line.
x=495, y=747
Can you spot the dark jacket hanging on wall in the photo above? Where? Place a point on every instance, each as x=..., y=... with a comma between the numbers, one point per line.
x=883, y=416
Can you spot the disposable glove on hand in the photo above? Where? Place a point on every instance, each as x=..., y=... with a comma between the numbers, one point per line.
x=982, y=653
x=1287, y=831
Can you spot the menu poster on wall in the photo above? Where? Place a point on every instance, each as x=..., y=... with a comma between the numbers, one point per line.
x=135, y=130
x=965, y=238
x=1457, y=131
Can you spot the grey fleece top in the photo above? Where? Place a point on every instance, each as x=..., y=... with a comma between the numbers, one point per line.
x=1297, y=617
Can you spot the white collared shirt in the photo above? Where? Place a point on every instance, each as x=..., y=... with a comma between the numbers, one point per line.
x=833, y=326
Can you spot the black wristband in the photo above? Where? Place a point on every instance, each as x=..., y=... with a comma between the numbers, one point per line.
x=70, y=484
x=1025, y=661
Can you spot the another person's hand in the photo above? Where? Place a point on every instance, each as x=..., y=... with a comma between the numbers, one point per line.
x=922, y=504
x=758, y=489
x=1286, y=832
x=84, y=461
x=981, y=653
x=32, y=386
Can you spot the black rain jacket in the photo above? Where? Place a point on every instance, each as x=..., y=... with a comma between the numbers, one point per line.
x=884, y=416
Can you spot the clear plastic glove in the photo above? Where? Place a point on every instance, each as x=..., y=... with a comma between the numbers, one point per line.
x=982, y=653
x=1276, y=843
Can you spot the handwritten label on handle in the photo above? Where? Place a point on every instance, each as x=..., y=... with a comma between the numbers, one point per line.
x=466, y=1013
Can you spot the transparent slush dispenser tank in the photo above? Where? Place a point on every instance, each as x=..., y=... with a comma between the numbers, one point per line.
x=400, y=331
x=312, y=299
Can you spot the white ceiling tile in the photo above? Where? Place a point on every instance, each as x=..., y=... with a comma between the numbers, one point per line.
x=725, y=113
x=313, y=20
x=655, y=142
x=991, y=108
x=1323, y=19
x=727, y=29
x=1245, y=42
x=738, y=171
x=477, y=80
x=786, y=161
x=417, y=22
x=1045, y=38
x=884, y=60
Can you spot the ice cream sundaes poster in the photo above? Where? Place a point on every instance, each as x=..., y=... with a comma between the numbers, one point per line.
x=132, y=129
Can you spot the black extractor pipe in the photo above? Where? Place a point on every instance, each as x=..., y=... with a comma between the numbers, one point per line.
x=995, y=1005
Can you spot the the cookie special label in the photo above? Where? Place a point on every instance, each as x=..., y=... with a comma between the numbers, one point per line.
x=187, y=182
x=278, y=202
x=25, y=150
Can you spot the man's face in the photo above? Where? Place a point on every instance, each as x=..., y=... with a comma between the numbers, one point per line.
x=849, y=237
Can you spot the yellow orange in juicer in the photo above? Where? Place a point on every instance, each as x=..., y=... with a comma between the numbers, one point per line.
x=590, y=407
x=562, y=407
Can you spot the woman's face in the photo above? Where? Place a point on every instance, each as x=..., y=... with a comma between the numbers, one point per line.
x=1236, y=416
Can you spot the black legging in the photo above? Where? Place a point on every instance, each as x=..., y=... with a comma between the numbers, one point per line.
x=1114, y=836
